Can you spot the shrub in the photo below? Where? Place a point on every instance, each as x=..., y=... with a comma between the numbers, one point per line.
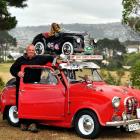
x=131, y=59
x=1, y=83
x=135, y=75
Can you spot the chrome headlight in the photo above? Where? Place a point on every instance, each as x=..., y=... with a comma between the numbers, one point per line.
x=116, y=101
x=78, y=40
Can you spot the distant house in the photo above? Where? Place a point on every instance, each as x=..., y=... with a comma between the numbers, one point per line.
x=14, y=55
x=132, y=46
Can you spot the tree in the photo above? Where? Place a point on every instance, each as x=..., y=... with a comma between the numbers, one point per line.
x=131, y=14
x=5, y=41
x=135, y=75
x=112, y=51
x=5, y=37
x=110, y=47
x=8, y=22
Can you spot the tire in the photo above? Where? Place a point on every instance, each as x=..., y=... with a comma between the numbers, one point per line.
x=123, y=129
x=11, y=82
x=67, y=48
x=12, y=116
x=39, y=48
x=87, y=125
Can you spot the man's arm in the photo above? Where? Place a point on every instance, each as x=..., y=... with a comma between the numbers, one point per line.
x=46, y=59
x=15, y=68
x=49, y=60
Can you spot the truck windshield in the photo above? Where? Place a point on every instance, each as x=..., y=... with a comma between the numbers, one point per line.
x=79, y=75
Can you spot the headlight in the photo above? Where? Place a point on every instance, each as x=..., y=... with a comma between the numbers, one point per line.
x=116, y=101
x=78, y=40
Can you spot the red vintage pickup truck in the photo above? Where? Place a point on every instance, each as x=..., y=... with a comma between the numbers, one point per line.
x=74, y=95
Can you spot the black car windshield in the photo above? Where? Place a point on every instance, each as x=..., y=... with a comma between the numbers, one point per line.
x=79, y=75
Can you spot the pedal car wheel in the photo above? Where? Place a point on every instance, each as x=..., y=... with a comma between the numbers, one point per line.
x=67, y=48
x=12, y=116
x=87, y=124
x=39, y=48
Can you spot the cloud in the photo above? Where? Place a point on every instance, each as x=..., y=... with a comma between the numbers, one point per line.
x=41, y=12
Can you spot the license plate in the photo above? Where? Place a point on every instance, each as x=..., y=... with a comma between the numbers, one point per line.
x=138, y=113
x=133, y=127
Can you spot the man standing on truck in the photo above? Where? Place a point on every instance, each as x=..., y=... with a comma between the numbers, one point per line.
x=29, y=58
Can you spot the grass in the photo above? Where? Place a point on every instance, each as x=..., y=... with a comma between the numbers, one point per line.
x=4, y=67
x=4, y=71
x=125, y=78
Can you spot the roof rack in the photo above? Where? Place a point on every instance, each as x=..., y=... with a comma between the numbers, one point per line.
x=86, y=57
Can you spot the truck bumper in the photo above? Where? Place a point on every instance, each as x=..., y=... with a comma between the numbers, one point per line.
x=120, y=123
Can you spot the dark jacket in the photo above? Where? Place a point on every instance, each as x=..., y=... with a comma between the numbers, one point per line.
x=24, y=60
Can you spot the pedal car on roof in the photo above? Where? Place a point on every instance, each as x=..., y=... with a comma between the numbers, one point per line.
x=64, y=42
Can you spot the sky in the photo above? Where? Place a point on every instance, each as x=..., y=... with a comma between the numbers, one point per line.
x=44, y=12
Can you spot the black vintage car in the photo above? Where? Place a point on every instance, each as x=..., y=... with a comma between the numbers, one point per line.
x=61, y=43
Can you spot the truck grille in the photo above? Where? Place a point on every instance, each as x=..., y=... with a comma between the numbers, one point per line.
x=131, y=104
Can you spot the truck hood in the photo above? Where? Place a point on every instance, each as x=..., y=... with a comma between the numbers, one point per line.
x=108, y=91
x=111, y=90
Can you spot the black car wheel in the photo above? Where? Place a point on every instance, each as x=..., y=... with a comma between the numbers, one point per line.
x=12, y=116
x=87, y=124
x=67, y=48
x=39, y=48
x=11, y=82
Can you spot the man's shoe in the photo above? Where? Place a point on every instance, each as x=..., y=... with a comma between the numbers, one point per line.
x=33, y=128
x=23, y=127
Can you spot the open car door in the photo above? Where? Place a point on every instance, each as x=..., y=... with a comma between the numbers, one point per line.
x=41, y=94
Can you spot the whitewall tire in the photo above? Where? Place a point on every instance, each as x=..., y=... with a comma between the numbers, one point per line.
x=87, y=124
x=12, y=116
x=67, y=48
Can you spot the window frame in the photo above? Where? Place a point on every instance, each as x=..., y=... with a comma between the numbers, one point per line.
x=39, y=67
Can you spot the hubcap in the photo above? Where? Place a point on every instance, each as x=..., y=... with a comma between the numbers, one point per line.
x=39, y=48
x=86, y=124
x=13, y=114
x=67, y=49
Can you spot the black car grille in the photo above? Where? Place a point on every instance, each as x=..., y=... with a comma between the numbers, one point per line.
x=131, y=105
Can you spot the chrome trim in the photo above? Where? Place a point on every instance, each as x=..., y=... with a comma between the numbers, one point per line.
x=132, y=104
x=119, y=123
x=126, y=99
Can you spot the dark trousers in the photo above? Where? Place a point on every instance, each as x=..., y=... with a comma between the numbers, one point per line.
x=17, y=92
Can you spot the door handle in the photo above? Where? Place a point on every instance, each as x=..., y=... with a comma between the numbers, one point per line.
x=22, y=90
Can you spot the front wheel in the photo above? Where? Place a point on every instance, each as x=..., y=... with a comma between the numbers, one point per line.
x=39, y=48
x=87, y=124
x=67, y=48
x=12, y=116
